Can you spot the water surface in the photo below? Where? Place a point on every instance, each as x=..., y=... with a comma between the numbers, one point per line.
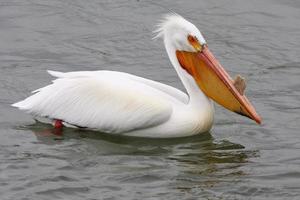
x=236, y=160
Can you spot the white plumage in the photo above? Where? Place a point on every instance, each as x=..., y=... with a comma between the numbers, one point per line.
x=120, y=103
x=102, y=100
x=113, y=102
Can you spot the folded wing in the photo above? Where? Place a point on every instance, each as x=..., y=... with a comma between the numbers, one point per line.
x=103, y=102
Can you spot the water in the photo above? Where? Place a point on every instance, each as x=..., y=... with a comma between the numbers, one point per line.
x=236, y=160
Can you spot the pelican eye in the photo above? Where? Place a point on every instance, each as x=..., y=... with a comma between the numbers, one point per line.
x=194, y=42
x=192, y=39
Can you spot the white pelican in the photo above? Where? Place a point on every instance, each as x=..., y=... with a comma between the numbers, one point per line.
x=121, y=103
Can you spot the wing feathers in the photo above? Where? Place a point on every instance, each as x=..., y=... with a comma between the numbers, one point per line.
x=99, y=102
x=173, y=92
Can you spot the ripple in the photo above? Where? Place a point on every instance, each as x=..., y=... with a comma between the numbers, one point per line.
x=236, y=160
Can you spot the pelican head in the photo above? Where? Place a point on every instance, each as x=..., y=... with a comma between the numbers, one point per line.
x=180, y=33
x=183, y=40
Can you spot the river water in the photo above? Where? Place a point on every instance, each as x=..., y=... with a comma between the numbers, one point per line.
x=237, y=159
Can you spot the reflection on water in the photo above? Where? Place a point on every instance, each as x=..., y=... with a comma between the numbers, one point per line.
x=197, y=162
x=204, y=141
x=237, y=160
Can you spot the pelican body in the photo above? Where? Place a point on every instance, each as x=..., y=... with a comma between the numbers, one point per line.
x=121, y=103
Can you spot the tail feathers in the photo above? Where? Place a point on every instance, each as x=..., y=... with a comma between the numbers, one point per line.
x=21, y=105
x=32, y=101
x=27, y=104
x=56, y=74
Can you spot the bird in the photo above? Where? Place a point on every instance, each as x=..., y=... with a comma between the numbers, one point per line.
x=124, y=104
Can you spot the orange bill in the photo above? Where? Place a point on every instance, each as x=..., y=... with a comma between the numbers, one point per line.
x=215, y=82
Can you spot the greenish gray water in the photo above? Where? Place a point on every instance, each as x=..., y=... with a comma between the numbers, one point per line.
x=236, y=160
